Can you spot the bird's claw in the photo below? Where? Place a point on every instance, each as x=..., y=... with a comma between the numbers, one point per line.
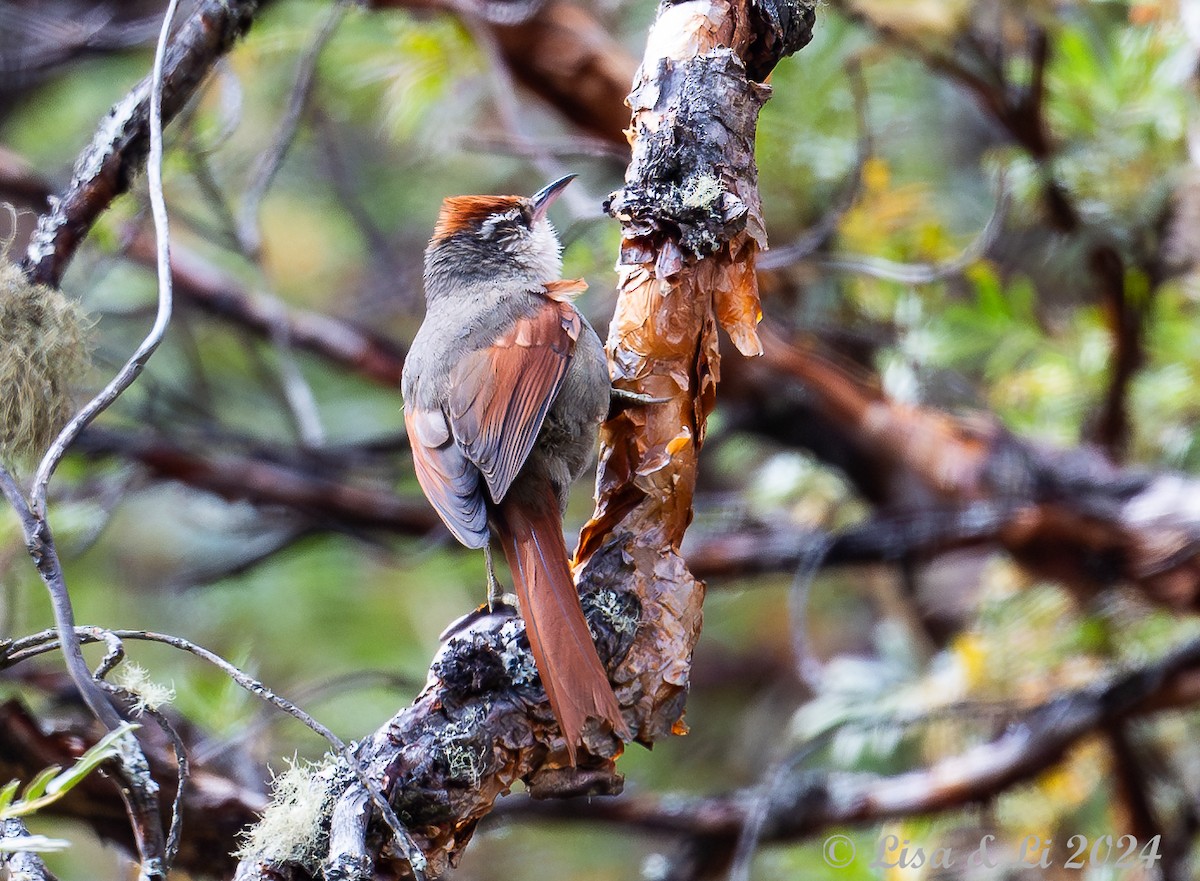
x=628, y=397
x=498, y=606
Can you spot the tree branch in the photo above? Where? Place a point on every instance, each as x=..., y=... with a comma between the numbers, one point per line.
x=217, y=294
x=215, y=808
x=1067, y=514
x=564, y=55
x=483, y=722
x=810, y=802
x=108, y=166
x=265, y=481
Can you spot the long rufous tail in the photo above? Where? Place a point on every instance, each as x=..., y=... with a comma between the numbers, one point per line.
x=574, y=679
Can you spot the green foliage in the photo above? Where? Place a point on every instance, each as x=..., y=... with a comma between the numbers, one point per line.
x=417, y=79
x=1041, y=373
x=51, y=784
x=1119, y=104
x=401, y=100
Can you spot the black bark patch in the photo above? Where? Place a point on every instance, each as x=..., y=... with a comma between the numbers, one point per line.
x=687, y=171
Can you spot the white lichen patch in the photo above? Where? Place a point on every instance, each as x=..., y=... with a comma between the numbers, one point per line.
x=517, y=661
x=291, y=828
x=702, y=192
x=148, y=694
x=464, y=756
x=610, y=604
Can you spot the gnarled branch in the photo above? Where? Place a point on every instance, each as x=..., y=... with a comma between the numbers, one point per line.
x=691, y=228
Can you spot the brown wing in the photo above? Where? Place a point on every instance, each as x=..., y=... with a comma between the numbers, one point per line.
x=500, y=395
x=449, y=479
x=567, y=290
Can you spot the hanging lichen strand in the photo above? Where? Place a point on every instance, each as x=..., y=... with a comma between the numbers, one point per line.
x=43, y=352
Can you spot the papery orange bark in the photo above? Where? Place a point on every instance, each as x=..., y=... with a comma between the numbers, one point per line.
x=691, y=228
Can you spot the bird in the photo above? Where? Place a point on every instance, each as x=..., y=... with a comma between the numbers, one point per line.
x=504, y=388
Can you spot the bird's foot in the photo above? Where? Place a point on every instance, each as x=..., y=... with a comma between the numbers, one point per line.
x=495, y=593
x=500, y=606
x=620, y=395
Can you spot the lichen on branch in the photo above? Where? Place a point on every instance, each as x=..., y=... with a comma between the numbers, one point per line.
x=43, y=352
x=691, y=227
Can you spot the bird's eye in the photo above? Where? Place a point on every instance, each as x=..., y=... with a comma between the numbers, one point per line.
x=502, y=227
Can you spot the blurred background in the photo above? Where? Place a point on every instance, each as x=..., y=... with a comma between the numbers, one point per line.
x=982, y=218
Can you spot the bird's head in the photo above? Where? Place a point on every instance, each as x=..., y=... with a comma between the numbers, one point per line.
x=489, y=238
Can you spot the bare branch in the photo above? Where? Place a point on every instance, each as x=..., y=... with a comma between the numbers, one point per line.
x=813, y=239
x=1126, y=314
x=1068, y=514
x=806, y=803
x=320, y=499
x=578, y=146
x=107, y=167
x=927, y=273
x=214, y=292
x=23, y=865
x=269, y=162
x=182, y=772
x=137, y=361
x=504, y=96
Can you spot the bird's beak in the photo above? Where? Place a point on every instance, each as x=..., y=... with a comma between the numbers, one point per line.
x=544, y=198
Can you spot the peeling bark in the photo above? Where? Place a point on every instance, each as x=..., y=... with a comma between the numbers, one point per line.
x=691, y=227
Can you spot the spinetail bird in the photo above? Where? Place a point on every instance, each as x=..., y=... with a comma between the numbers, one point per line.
x=504, y=388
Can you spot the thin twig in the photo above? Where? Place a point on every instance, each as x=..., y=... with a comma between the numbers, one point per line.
x=183, y=770
x=297, y=393
x=210, y=189
x=927, y=273
x=108, y=165
x=40, y=544
x=811, y=560
x=504, y=94
x=48, y=640
x=334, y=686
x=21, y=865
x=270, y=161
x=134, y=366
x=751, y=833
x=138, y=789
x=811, y=240
x=577, y=146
